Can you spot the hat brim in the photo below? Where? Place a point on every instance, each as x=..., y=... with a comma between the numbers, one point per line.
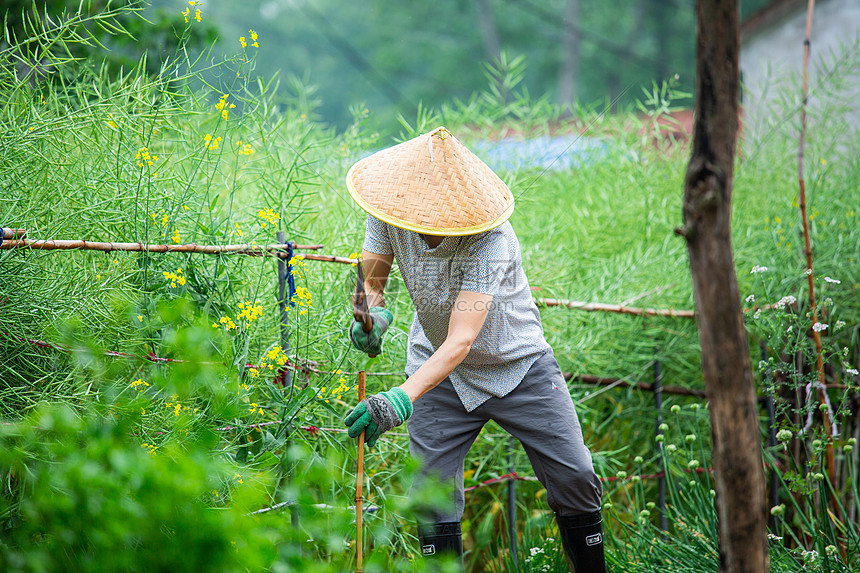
x=409, y=226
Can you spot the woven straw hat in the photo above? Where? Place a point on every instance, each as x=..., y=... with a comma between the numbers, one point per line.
x=431, y=184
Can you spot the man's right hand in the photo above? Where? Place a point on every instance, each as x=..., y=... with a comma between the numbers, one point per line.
x=371, y=342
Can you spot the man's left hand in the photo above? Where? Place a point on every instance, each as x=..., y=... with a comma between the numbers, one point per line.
x=378, y=413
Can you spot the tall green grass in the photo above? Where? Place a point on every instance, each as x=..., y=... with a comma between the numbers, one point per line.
x=73, y=164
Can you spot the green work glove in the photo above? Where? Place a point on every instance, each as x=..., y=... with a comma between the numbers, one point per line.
x=371, y=342
x=377, y=414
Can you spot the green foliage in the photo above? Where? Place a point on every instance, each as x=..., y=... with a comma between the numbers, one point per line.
x=91, y=499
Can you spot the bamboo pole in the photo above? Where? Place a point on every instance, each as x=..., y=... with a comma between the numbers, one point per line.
x=807, y=246
x=359, y=478
x=619, y=308
x=107, y=247
x=807, y=243
x=13, y=233
x=331, y=259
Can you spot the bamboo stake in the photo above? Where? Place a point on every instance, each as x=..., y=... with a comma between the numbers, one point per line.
x=807, y=245
x=359, y=478
x=78, y=244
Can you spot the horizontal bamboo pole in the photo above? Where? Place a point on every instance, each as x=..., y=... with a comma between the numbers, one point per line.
x=277, y=249
x=13, y=233
x=619, y=308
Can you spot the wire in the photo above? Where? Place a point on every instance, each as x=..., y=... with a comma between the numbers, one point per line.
x=353, y=56
x=571, y=27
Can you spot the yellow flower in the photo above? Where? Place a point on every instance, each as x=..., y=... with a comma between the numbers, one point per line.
x=211, y=143
x=268, y=216
x=175, y=236
x=254, y=38
x=140, y=384
x=174, y=278
x=243, y=42
x=246, y=150
x=223, y=106
x=144, y=158
x=249, y=312
x=186, y=13
x=140, y=317
x=254, y=372
x=239, y=230
x=198, y=15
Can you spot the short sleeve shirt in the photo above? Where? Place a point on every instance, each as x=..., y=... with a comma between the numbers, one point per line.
x=511, y=339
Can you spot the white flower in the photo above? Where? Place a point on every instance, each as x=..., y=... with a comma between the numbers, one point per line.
x=810, y=555
x=819, y=326
x=852, y=371
x=830, y=280
x=758, y=269
x=831, y=551
x=757, y=314
x=784, y=435
x=750, y=299
x=808, y=272
x=535, y=550
x=785, y=301
x=773, y=537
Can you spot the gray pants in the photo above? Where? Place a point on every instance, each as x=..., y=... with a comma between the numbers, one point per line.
x=538, y=412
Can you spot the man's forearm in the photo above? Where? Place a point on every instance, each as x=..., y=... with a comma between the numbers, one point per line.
x=449, y=355
x=374, y=296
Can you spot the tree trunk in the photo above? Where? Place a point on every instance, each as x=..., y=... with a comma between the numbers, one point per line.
x=739, y=478
x=570, y=57
x=489, y=32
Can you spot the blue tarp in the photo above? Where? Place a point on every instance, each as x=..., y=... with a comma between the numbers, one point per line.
x=544, y=152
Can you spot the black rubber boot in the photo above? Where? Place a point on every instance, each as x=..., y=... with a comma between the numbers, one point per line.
x=439, y=539
x=582, y=538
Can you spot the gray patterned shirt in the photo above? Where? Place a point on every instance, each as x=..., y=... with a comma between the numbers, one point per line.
x=511, y=338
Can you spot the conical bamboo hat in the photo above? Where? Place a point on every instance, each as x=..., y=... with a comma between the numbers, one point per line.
x=431, y=184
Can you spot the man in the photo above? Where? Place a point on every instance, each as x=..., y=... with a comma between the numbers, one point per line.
x=476, y=350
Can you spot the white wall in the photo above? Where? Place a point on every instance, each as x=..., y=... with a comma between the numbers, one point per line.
x=772, y=64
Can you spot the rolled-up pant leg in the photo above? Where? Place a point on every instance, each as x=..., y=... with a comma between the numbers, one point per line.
x=441, y=432
x=540, y=413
